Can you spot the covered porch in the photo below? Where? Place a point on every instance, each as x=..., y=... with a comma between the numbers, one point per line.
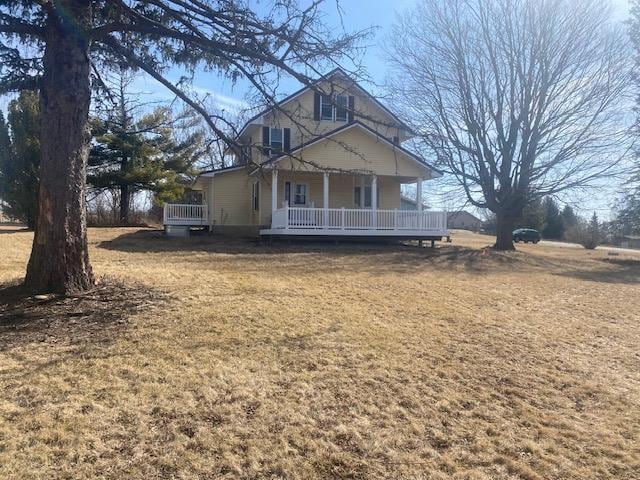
x=350, y=205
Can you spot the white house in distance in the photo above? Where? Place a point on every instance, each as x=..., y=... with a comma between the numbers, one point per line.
x=326, y=161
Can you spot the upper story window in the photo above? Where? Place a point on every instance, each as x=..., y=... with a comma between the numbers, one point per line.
x=326, y=108
x=338, y=108
x=275, y=140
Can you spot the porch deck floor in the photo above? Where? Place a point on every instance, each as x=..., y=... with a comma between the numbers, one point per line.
x=338, y=232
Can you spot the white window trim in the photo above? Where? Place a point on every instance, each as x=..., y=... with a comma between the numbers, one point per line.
x=293, y=194
x=334, y=108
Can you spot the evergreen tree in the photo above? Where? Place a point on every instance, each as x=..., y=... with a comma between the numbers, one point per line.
x=627, y=220
x=20, y=160
x=553, y=226
x=569, y=217
x=594, y=233
x=130, y=155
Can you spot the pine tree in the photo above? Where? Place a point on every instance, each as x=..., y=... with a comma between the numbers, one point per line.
x=569, y=217
x=130, y=155
x=20, y=159
x=594, y=232
x=553, y=225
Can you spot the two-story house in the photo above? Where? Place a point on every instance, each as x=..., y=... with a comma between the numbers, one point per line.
x=327, y=160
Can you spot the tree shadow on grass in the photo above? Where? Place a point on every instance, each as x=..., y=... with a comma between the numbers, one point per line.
x=378, y=256
x=93, y=317
x=154, y=241
x=617, y=270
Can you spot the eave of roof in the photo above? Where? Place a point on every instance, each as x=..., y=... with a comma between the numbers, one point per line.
x=333, y=72
x=211, y=173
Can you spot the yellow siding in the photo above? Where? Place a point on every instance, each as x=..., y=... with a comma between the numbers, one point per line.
x=341, y=191
x=229, y=199
x=355, y=150
x=305, y=128
x=229, y=194
x=351, y=156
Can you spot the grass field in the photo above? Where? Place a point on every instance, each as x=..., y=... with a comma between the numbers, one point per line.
x=324, y=361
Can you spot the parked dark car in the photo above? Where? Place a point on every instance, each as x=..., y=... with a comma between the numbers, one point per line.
x=526, y=235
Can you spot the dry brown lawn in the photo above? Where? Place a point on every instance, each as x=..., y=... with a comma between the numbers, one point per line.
x=325, y=361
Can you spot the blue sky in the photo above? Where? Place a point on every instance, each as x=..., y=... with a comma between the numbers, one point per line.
x=357, y=15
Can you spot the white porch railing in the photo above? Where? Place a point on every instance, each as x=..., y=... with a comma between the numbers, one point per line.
x=183, y=214
x=359, y=219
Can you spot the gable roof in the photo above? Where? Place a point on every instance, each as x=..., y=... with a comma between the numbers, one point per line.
x=335, y=71
x=356, y=124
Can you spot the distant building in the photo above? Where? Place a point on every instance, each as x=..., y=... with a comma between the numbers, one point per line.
x=628, y=241
x=464, y=221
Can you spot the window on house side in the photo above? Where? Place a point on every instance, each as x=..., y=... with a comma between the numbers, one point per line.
x=276, y=140
x=356, y=196
x=326, y=108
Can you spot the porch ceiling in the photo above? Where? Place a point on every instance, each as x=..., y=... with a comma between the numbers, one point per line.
x=343, y=173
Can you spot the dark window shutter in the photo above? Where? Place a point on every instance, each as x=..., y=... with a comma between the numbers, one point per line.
x=316, y=106
x=352, y=107
x=256, y=196
x=287, y=139
x=265, y=141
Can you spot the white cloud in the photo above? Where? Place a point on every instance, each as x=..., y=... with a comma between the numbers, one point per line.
x=156, y=92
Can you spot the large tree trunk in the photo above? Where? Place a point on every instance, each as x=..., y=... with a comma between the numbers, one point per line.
x=504, y=231
x=60, y=258
x=125, y=202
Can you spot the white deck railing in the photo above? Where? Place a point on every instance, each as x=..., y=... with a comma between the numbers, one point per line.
x=358, y=219
x=183, y=214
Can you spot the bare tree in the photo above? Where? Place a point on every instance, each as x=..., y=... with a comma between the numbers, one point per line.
x=515, y=99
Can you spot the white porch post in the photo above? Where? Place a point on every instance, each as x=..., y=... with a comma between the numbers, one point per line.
x=374, y=200
x=419, y=194
x=325, y=200
x=274, y=191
